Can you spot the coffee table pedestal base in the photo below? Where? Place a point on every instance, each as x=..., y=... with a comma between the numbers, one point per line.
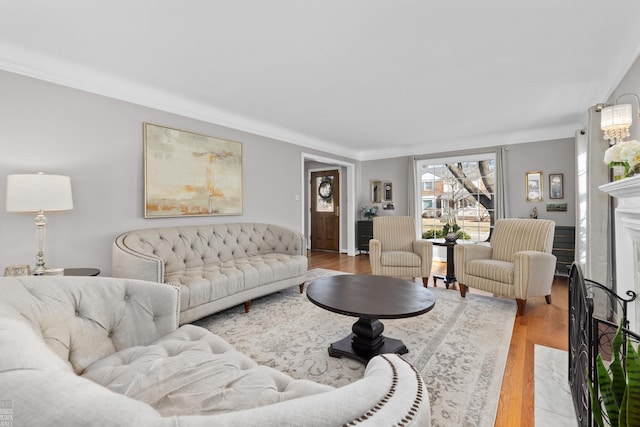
x=366, y=342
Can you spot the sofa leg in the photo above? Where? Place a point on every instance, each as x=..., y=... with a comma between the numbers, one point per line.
x=247, y=304
x=463, y=290
x=521, y=303
x=302, y=287
x=425, y=281
x=548, y=298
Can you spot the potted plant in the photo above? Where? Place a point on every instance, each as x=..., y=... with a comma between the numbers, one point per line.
x=450, y=228
x=369, y=212
x=618, y=386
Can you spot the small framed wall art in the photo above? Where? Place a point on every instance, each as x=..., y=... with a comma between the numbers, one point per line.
x=556, y=207
x=533, y=184
x=556, y=186
x=376, y=191
x=388, y=192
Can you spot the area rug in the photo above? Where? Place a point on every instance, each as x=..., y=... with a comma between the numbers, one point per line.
x=553, y=401
x=460, y=346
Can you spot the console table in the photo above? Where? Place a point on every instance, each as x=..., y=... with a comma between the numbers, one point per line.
x=564, y=248
x=364, y=233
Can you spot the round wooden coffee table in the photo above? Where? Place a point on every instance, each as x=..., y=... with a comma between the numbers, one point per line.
x=369, y=298
x=85, y=271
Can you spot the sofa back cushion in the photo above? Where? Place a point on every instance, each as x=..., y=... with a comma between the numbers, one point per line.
x=513, y=235
x=83, y=319
x=191, y=248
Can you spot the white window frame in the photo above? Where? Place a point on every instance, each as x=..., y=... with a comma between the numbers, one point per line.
x=491, y=155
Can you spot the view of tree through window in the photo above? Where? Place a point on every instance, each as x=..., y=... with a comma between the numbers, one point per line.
x=460, y=191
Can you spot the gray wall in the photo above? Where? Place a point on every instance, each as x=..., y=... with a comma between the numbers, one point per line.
x=388, y=170
x=557, y=156
x=97, y=141
x=630, y=83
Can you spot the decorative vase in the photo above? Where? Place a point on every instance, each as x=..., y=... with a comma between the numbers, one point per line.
x=618, y=172
x=451, y=237
x=17, y=270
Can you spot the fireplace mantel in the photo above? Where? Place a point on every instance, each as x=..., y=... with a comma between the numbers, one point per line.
x=624, y=188
x=627, y=241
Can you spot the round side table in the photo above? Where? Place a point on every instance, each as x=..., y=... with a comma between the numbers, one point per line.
x=81, y=271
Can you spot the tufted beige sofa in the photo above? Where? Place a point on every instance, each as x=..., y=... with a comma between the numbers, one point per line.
x=216, y=266
x=91, y=351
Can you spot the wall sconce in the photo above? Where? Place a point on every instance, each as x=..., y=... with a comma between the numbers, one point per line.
x=39, y=193
x=615, y=120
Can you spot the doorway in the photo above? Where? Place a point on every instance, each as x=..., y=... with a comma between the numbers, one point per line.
x=324, y=192
x=311, y=163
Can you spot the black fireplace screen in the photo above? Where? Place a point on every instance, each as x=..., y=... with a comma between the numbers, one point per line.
x=590, y=336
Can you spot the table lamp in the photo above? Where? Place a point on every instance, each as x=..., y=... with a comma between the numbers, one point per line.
x=39, y=193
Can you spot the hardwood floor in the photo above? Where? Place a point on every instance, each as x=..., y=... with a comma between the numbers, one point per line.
x=542, y=323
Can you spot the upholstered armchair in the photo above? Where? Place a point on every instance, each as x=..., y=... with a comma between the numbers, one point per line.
x=394, y=250
x=517, y=264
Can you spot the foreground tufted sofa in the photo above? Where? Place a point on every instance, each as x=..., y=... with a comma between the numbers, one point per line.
x=90, y=351
x=216, y=266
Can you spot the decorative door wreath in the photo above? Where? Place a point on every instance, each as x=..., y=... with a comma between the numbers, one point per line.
x=325, y=190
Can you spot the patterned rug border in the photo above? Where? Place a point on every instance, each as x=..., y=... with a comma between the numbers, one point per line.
x=460, y=347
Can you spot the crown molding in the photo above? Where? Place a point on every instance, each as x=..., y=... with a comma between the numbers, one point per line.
x=54, y=70
x=93, y=81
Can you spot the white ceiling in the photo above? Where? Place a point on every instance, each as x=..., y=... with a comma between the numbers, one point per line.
x=362, y=78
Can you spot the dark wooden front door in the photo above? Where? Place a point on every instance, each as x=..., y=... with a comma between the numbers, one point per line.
x=325, y=210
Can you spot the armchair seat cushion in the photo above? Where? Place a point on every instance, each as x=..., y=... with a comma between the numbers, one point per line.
x=400, y=259
x=494, y=270
x=192, y=371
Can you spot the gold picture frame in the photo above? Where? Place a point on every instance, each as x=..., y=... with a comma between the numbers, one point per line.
x=376, y=191
x=188, y=174
x=534, y=186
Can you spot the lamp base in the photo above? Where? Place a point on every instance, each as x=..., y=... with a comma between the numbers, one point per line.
x=41, y=222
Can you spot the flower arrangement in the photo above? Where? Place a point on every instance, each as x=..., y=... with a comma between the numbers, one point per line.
x=448, y=218
x=369, y=212
x=625, y=154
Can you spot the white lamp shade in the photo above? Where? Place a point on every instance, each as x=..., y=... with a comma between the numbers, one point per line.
x=35, y=192
x=616, y=115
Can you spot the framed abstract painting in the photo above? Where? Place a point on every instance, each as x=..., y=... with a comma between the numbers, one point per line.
x=188, y=174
